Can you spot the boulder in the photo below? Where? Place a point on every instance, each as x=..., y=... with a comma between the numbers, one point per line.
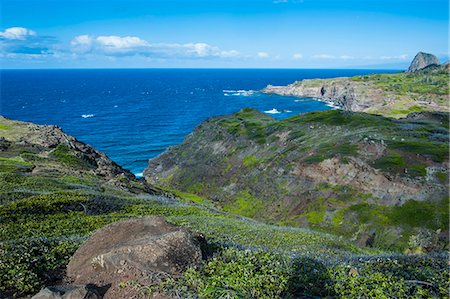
x=423, y=60
x=69, y=292
x=139, y=249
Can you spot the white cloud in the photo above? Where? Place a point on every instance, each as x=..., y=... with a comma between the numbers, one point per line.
x=131, y=45
x=17, y=33
x=297, y=56
x=346, y=57
x=81, y=43
x=398, y=57
x=231, y=53
x=323, y=56
x=118, y=42
x=262, y=55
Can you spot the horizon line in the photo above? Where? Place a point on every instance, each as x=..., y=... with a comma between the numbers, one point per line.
x=202, y=68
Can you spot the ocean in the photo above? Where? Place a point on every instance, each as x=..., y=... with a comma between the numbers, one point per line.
x=133, y=115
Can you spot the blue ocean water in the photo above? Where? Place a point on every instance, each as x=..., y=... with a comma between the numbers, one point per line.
x=135, y=114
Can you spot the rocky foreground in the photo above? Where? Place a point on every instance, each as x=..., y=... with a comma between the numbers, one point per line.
x=423, y=88
x=75, y=224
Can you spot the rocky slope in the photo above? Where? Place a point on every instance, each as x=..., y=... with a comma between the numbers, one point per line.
x=54, y=196
x=393, y=95
x=356, y=174
x=48, y=147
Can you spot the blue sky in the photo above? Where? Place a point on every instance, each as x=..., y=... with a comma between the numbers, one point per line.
x=219, y=33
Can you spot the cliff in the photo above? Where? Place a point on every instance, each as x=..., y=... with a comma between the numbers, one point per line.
x=393, y=95
x=351, y=173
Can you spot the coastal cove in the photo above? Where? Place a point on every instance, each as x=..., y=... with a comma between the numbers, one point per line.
x=133, y=115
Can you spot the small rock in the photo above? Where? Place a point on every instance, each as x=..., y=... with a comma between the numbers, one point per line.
x=68, y=292
x=353, y=272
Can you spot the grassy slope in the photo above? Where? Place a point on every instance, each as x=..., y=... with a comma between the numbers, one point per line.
x=46, y=214
x=256, y=159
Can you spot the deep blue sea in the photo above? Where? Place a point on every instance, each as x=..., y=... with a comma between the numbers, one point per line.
x=135, y=114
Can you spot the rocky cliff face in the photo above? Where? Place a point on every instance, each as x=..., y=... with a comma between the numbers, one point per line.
x=393, y=95
x=423, y=60
x=340, y=92
x=324, y=170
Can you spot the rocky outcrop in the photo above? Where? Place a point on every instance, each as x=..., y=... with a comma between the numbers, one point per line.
x=339, y=92
x=393, y=95
x=141, y=249
x=423, y=60
x=69, y=292
x=53, y=153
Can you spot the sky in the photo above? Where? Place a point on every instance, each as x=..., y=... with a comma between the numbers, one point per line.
x=221, y=33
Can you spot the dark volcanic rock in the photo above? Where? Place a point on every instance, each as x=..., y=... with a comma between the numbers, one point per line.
x=140, y=249
x=423, y=60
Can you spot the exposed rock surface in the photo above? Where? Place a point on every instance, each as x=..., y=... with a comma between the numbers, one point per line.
x=69, y=292
x=141, y=249
x=423, y=60
x=50, y=137
x=423, y=88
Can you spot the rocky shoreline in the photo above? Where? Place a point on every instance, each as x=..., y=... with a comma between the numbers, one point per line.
x=393, y=95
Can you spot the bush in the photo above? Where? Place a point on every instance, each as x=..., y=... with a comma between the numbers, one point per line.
x=27, y=264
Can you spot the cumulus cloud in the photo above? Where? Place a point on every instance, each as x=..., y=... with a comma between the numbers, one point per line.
x=16, y=41
x=132, y=45
x=297, y=56
x=346, y=57
x=262, y=55
x=17, y=33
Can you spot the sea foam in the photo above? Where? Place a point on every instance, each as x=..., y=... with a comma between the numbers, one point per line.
x=240, y=92
x=272, y=111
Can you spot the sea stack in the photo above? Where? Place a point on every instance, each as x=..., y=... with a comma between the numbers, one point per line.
x=423, y=60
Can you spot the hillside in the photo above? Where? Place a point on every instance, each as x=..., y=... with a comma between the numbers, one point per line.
x=392, y=95
x=354, y=174
x=54, y=195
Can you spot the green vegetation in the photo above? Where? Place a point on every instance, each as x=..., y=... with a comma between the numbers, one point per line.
x=425, y=82
x=250, y=161
x=45, y=215
x=64, y=155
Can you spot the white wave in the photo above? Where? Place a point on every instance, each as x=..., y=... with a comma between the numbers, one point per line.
x=139, y=174
x=240, y=92
x=87, y=115
x=287, y=111
x=273, y=111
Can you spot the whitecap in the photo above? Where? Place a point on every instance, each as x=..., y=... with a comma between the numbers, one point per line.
x=273, y=111
x=87, y=115
x=239, y=92
x=287, y=111
x=139, y=174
